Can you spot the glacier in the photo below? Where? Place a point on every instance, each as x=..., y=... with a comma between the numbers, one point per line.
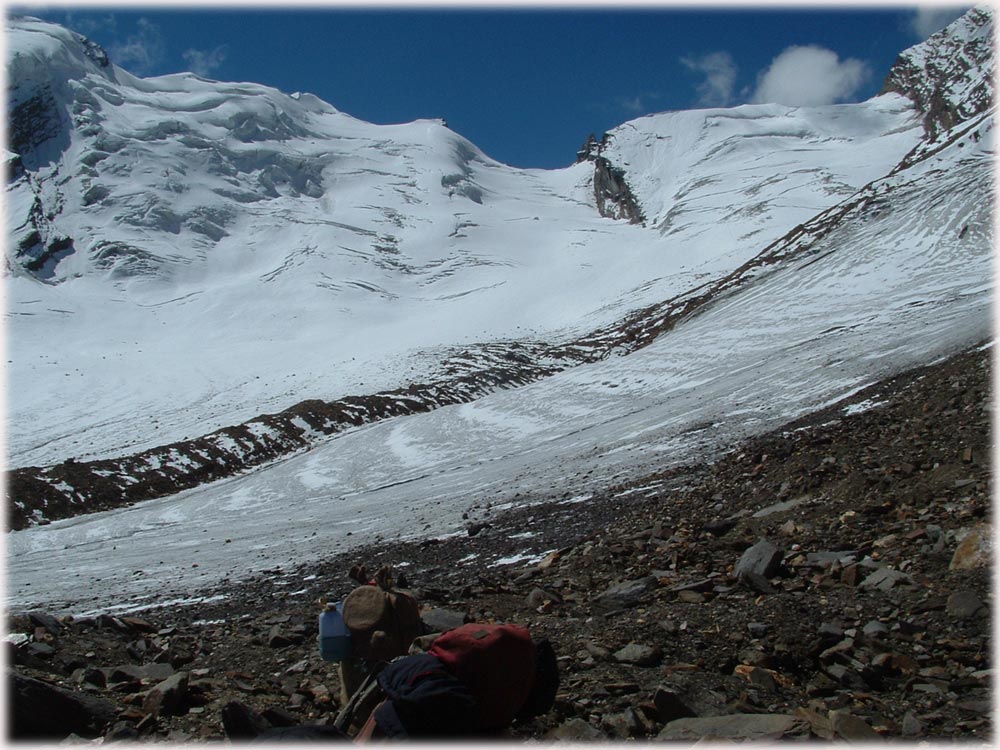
x=284, y=295
x=300, y=253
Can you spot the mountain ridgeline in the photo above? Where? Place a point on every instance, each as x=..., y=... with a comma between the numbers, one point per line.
x=205, y=277
x=950, y=76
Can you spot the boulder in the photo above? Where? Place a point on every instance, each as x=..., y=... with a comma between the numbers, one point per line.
x=90, y=675
x=639, y=655
x=138, y=624
x=965, y=604
x=720, y=526
x=279, y=717
x=575, y=730
x=626, y=724
x=440, y=619
x=277, y=638
x=884, y=579
x=39, y=650
x=875, y=629
x=819, y=724
x=539, y=596
x=752, y=727
x=670, y=705
x=849, y=727
x=241, y=722
x=168, y=697
x=758, y=676
x=974, y=550
x=38, y=710
x=597, y=651
x=626, y=594
x=122, y=731
x=756, y=582
x=46, y=621
x=112, y=623
x=911, y=726
x=763, y=558
x=690, y=597
x=824, y=560
x=147, y=672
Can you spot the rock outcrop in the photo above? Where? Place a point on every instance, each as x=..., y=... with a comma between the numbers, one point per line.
x=612, y=193
x=949, y=76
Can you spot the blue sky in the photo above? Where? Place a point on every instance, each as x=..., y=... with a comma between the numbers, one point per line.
x=525, y=85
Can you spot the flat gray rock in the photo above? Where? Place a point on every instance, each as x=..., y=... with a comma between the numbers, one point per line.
x=639, y=655
x=884, y=579
x=734, y=727
x=154, y=671
x=779, y=507
x=626, y=594
x=849, y=727
x=574, y=730
x=763, y=558
x=964, y=604
x=439, y=620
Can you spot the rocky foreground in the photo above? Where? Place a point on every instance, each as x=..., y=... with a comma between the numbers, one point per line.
x=828, y=580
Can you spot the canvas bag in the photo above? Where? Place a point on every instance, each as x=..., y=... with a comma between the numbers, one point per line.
x=383, y=622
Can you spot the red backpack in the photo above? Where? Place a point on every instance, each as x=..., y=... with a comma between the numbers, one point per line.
x=496, y=663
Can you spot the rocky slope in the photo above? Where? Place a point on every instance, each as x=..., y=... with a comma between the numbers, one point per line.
x=826, y=580
x=942, y=75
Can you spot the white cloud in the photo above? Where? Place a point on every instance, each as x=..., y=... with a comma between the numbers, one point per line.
x=204, y=63
x=640, y=104
x=720, y=78
x=930, y=19
x=88, y=26
x=635, y=105
x=141, y=52
x=810, y=76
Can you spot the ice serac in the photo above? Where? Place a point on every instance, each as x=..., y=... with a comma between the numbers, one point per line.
x=42, y=77
x=950, y=75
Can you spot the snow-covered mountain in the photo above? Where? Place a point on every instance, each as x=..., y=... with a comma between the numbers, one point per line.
x=204, y=277
x=189, y=254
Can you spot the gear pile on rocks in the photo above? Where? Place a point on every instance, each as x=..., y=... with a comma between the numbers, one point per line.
x=830, y=580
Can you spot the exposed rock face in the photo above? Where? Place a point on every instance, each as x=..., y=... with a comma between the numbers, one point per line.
x=611, y=191
x=950, y=76
x=37, y=93
x=33, y=120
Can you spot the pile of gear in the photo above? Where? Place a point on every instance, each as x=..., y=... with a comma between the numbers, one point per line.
x=399, y=682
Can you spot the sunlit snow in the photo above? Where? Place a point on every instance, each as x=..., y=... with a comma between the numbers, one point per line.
x=328, y=257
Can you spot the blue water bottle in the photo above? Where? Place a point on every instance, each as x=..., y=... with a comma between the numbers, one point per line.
x=334, y=635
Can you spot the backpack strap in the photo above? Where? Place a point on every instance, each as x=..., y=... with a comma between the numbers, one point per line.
x=362, y=703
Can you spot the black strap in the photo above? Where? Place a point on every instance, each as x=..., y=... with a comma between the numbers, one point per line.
x=370, y=684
